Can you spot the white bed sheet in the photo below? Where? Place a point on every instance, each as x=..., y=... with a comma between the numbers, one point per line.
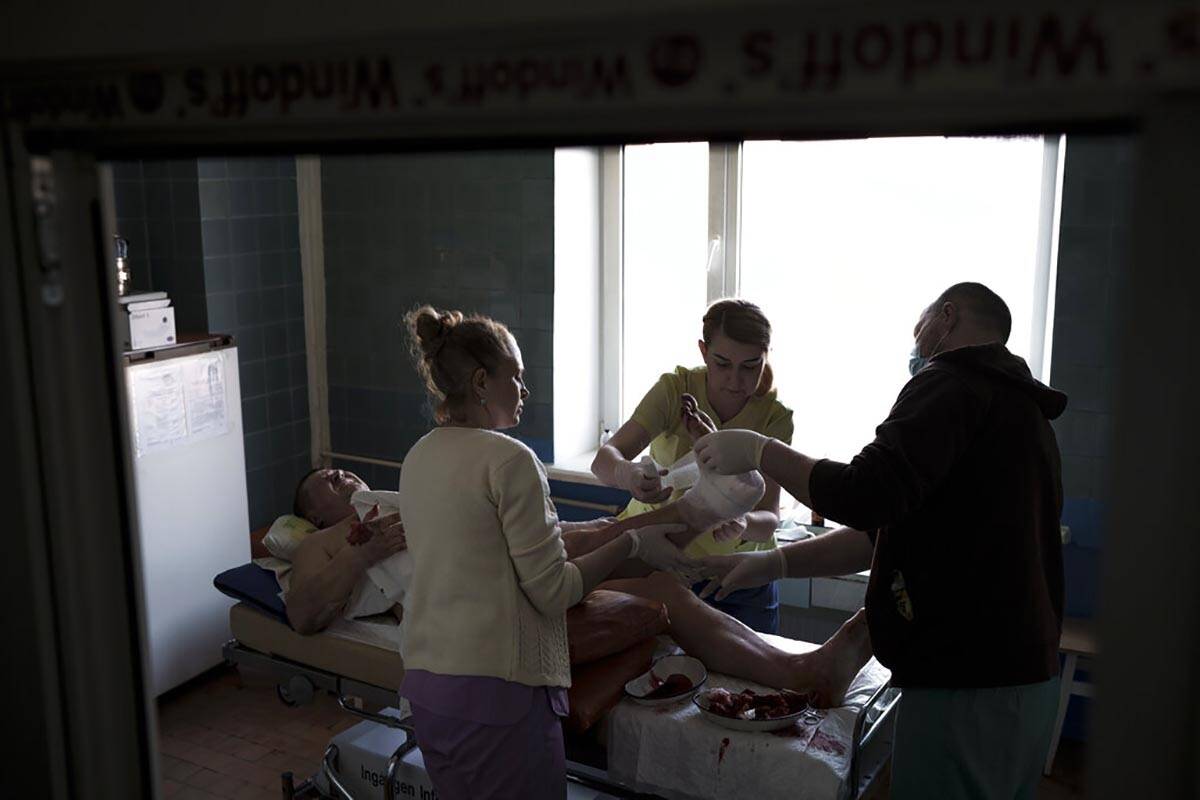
x=381, y=630
x=674, y=752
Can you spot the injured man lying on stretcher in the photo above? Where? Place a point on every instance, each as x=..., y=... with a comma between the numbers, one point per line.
x=352, y=568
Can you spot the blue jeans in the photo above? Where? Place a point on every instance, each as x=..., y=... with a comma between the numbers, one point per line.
x=757, y=608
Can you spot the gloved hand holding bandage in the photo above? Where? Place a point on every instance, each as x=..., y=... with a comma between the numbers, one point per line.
x=651, y=545
x=643, y=480
x=731, y=451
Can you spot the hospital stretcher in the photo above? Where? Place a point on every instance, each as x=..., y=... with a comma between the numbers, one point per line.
x=378, y=757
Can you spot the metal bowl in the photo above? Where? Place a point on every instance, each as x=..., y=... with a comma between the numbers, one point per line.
x=740, y=724
x=647, y=682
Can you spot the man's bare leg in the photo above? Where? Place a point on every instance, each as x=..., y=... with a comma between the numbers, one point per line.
x=726, y=645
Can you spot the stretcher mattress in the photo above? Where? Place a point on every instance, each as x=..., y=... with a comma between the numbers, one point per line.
x=357, y=650
x=254, y=585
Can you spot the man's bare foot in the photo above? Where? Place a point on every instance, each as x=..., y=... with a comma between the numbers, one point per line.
x=828, y=671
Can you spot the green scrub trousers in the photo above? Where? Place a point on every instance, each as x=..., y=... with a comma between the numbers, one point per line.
x=973, y=743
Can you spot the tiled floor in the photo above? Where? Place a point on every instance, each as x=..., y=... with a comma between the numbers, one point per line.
x=220, y=737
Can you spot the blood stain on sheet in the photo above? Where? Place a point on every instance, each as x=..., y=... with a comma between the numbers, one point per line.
x=823, y=741
x=721, y=752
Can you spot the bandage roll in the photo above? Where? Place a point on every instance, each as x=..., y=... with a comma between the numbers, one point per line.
x=719, y=498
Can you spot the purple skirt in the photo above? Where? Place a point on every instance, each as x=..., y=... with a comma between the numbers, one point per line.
x=485, y=738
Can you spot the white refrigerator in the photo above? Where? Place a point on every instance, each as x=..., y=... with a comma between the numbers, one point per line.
x=190, y=481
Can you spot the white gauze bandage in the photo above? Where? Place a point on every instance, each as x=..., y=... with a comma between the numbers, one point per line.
x=714, y=498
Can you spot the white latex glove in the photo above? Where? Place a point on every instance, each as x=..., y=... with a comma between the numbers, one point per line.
x=651, y=545
x=642, y=480
x=730, y=452
x=742, y=571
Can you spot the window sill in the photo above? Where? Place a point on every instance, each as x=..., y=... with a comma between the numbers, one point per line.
x=577, y=469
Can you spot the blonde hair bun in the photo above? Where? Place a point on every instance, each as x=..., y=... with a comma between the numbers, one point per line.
x=430, y=327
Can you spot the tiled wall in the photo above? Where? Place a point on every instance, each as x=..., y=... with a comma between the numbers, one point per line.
x=222, y=239
x=251, y=267
x=471, y=231
x=158, y=213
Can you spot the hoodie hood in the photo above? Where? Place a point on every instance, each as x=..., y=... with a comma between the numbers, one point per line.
x=997, y=362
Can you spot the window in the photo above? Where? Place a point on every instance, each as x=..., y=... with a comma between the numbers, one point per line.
x=842, y=243
x=665, y=248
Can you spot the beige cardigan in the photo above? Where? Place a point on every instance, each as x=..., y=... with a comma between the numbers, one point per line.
x=491, y=581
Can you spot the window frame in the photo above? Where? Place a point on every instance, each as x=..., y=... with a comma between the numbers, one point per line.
x=724, y=258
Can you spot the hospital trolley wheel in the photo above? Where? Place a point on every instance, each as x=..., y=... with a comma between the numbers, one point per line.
x=298, y=691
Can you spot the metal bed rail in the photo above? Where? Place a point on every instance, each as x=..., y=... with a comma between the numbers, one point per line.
x=297, y=682
x=873, y=739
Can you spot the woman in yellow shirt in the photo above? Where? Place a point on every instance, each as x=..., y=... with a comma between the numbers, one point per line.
x=733, y=390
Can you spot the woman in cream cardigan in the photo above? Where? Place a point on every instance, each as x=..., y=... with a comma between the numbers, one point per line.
x=486, y=641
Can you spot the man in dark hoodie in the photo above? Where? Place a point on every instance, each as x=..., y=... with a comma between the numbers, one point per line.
x=955, y=507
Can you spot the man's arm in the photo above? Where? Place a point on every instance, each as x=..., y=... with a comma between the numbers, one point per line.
x=839, y=552
x=929, y=427
x=790, y=468
x=326, y=569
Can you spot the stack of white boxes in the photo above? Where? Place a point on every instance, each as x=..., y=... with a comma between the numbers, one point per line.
x=151, y=320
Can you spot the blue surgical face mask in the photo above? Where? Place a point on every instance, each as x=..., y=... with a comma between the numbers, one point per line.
x=916, y=361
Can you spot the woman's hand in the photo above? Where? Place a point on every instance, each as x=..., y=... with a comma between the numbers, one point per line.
x=647, y=488
x=741, y=571
x=731, y=452
x=651, y=545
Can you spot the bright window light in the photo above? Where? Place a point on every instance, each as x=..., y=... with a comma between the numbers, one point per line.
x=666, y=250
x=843, y=243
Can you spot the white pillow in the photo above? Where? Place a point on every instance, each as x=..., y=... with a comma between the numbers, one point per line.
x=286, y=534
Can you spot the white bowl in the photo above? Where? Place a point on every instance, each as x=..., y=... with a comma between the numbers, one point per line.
x=647, y=682
x=738, y=724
